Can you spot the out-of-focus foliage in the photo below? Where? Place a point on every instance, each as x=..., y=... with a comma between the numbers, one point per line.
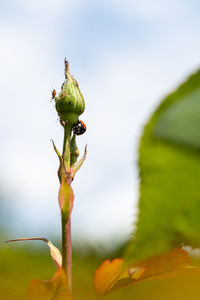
x=169, y=162
x=180, y=123
x=184, y=288
x=55, y=288
x=20, y=264
x=112, y=275
x=54, y=251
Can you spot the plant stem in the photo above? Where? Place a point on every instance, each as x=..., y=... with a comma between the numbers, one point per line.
x=66, y=145
x=67, y=249
x=66, y=219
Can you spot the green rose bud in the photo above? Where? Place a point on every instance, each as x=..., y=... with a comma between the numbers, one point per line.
x=70, y=103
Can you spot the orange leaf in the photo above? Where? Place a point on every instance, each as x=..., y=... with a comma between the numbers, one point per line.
x=113, y=275
x=107, y=274
x=55, y=288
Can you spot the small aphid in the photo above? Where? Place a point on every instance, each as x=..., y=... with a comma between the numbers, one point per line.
x=63, y=123
x=53, y=94
x=79, y=128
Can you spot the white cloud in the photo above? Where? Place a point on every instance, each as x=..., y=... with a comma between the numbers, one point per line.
x=128, y=8
x=148, y=9
x=110, y=213
x=52, y=7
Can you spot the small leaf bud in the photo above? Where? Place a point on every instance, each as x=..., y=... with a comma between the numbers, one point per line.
x=74, y=151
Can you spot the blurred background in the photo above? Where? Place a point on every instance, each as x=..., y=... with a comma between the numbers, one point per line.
x=126, y=56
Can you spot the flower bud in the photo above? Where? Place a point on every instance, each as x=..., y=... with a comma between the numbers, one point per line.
x=70, y=103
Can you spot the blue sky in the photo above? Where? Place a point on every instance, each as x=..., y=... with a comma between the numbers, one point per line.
x=126, y=56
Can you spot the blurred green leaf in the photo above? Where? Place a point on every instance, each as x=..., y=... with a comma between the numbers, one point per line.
x=169, y=162
x=180, y=123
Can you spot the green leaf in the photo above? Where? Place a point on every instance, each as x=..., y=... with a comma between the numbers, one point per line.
x=180, y=123
x=169, y=162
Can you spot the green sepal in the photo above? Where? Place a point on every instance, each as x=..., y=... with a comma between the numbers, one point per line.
x=60, y=159
x=56, y=150
x=79, y=164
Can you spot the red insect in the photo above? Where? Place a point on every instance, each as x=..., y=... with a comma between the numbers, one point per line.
x=79, y=127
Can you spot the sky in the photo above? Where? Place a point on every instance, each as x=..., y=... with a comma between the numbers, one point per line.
x=126, y=56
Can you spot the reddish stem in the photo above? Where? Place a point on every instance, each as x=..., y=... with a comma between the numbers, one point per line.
x=67, y=249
